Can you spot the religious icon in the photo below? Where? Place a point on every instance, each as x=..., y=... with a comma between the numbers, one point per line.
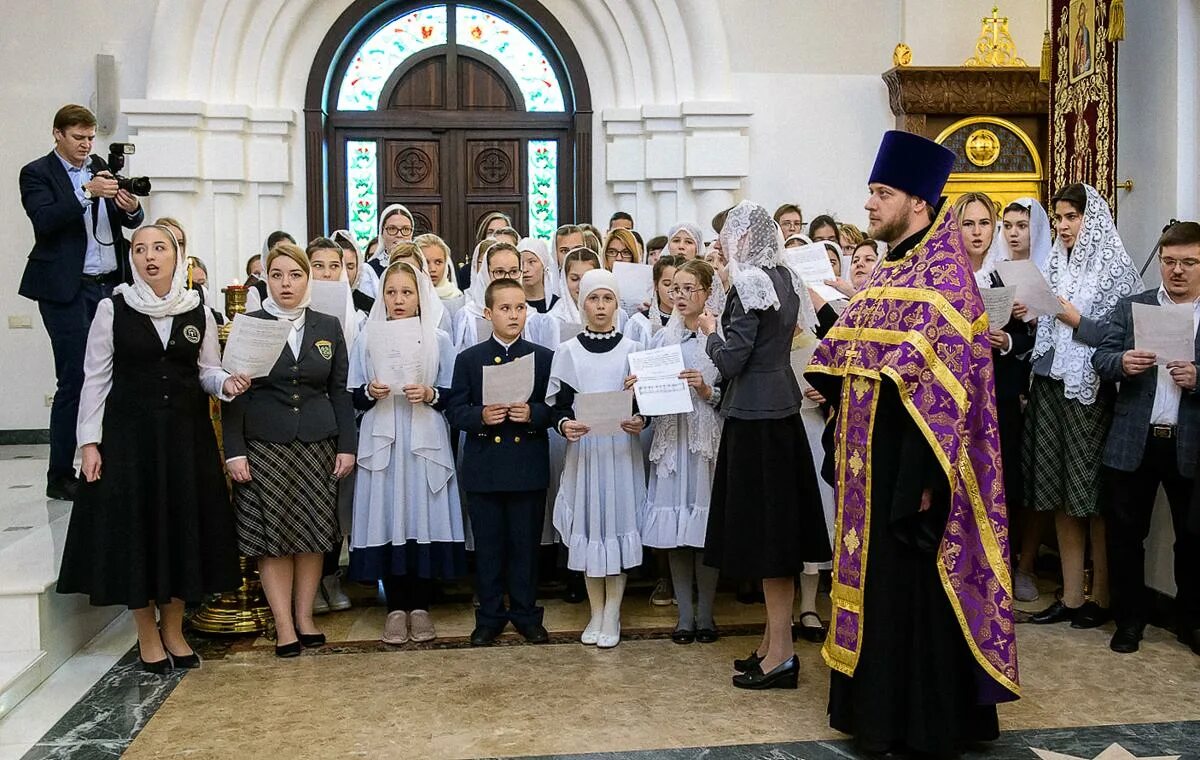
x=1081, y=28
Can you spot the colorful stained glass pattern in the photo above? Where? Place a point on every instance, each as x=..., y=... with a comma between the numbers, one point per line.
x=362, y=189
x=522, y=57
x=543, y=188
x=384, y=51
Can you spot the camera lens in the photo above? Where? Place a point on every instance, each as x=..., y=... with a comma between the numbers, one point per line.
x=135, y=185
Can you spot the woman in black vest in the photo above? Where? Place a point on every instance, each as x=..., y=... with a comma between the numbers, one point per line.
x=288, y=441
x=152, y=526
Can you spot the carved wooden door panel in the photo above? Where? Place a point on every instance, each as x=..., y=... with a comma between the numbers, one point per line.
x=493, y=178
x=415, y=175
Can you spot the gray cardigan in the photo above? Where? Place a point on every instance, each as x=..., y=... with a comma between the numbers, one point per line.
x=754, y=357
x=1126, y=443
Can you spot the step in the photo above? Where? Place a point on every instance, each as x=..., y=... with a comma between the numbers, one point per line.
x=20, y=673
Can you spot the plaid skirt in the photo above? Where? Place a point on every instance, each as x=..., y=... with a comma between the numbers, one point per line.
x=290, y=504
x=1063, y=446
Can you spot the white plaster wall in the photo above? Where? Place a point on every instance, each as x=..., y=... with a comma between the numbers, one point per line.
x=39, y=77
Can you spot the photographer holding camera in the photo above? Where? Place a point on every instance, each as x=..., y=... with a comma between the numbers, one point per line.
x=79, y=254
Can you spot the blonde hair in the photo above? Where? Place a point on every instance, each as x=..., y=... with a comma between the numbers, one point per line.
x=170, y=221
x=400, y=267
x=851, y=233
x=291, y=251
x=430, y=240
x=626, y=237
x=966, y=199
x=406, y=249
x=591, y=241
x=700, y=269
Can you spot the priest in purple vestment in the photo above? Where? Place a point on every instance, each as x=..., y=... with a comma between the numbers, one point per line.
x=924, y=648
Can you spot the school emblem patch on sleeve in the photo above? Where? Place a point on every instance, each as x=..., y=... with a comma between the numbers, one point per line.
x=192, y=333
x=326, y=349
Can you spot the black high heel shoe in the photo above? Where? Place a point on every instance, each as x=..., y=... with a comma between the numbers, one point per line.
x=184, y=661
x=784, y=676
x=159, y=668
x=289, y=650
x=312, y=640
x=750, y=663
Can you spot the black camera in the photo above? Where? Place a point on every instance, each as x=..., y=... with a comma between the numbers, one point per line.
x=116, y=162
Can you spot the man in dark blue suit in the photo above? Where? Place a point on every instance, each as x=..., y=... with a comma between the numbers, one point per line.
x=79, y=254
x=505, y=470
x=1154, y=440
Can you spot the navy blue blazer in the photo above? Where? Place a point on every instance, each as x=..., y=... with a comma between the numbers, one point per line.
x=510, y=456
x=1126, y=443
x=59, y=236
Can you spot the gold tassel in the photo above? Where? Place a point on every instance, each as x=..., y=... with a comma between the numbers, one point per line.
x=1045, y=73
x=1116, y=21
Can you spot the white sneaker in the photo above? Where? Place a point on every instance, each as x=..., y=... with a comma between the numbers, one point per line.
x=334, y=595
x=320, y=603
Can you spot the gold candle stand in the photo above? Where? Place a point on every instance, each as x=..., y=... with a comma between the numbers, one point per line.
x=245, y=610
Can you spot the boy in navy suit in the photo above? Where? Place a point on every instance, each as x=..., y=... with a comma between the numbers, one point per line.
x=505, y=470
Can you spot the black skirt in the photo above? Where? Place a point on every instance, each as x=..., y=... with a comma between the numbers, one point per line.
x=158, y=524
x=766, y=519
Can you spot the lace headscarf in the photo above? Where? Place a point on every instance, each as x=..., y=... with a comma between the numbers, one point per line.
x=180, y=299
x=1093, y=276
x=428, y=438
x=1039, y=234
x=541, y=249
x=752, y=242
x=704, y=423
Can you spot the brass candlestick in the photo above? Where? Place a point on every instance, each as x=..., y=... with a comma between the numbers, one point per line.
x=245, y=610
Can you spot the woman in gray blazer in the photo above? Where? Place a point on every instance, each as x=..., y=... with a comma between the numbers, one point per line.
x=288, y=440
x=766, y=518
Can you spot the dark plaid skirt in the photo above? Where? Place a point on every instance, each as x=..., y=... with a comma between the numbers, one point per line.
x=290, y=504
x=1064, y=443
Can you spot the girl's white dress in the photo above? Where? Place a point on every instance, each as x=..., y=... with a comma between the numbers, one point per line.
x=602, y=493
x=411, y=494
x=683, y=461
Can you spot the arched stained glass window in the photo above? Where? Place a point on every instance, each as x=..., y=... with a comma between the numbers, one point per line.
x=400, y=39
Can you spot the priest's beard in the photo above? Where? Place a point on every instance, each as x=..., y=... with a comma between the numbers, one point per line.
x=890, y=231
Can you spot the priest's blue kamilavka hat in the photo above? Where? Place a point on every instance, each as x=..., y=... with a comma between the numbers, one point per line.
x=913, y=164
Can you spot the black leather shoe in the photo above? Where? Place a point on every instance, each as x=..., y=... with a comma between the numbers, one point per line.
x=683, y=636
x=484, y=635
x=1055, y=613
x=785, y=676
x=159, y=668
x=1091, y=615
x=707, y=635
x=534, y=634
x=311, y=640
x=748, y=664
x=1126, y=638
x=1190, y=637
x=64, y=488
x=811, y=628
x=289, y=650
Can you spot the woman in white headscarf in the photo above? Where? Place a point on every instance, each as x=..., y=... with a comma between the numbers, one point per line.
x=1025, y=233
x=353, y=265
x=538, y=274
x=1070, y=408
x=396, y=225
x=152, y=482
x=440, y=267
x=407, y=527
x=685, y=240
x=577, y=263
x=762, y=527
x=468, y=323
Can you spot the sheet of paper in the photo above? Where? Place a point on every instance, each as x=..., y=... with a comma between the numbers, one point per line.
x=811, y=263
x=568, y=330
x=804, y=345
x=1165, y=331
x=395, y=349
x=1032, y=288
x=999, y=305
x=636, y=283
x=330, y=297
x=510, y=383
x=254, y=345
x=483, y=329
x=659, y=389
x=604, y=412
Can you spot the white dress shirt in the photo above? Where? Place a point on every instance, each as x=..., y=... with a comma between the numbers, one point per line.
x=98, y=368
x=1166, y=393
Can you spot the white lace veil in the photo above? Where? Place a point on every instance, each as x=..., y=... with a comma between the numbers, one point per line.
x=1093, y=276
x=752, y=242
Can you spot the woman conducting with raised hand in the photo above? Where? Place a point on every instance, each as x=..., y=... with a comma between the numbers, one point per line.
x=288, y=440
x=152, y=528
x=762, y=527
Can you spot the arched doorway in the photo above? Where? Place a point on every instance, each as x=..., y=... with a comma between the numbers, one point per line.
x=453, y=109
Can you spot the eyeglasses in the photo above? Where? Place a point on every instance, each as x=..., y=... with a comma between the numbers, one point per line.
x=791, y=225
x=394, y=231
x=505, y=274
x=1186, y=264
x=618, y=255
x=684, y=290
